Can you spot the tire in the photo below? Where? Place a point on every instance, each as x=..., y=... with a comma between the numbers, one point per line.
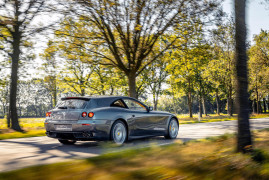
x=172, y=130
x=118, y=133
x=67, y=142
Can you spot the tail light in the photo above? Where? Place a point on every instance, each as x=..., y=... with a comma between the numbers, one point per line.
x=86, y=124
x=48, y=114
x=84, y=114
x=91, y=114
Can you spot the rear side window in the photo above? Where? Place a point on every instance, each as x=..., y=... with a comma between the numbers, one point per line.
x=134, y=105
x=71, y=104
x=118, y=103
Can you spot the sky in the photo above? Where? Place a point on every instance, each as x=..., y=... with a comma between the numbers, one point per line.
x=257, y=16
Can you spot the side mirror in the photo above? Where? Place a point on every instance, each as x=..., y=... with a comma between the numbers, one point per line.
x=150, y=108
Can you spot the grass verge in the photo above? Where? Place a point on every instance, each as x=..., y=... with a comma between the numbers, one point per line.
x=213, y=158
x=35, y=126
x=30, y=133
x=184, y=119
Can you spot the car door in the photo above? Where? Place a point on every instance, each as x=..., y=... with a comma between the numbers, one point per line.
x=141, y=121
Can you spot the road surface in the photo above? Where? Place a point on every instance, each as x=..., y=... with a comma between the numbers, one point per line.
x=23, y=152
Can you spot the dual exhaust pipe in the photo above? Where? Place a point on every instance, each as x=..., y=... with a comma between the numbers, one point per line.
x=87, y=134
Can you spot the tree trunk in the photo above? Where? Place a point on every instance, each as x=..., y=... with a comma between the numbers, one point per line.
x=244, y=141
x=254, y=106
x=217, y=102
x=154, y=102
x=204, y=106
x=200, y=106
x=8, y=118
x=112, y=90
x=174, y=104
x=82, y=92
x=264, y=105
x=19, y=109
x=258, y=104
x=132, y=85
x=230, y=106
x=14, y=79
x=190, y=104
x=54, y=93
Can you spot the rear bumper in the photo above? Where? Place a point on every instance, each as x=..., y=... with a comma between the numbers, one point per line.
x=79, y=136
x=82, y=130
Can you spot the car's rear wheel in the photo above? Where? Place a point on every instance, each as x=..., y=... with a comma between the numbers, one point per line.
x=172, y=129
x=119, y=132
x=64, y=141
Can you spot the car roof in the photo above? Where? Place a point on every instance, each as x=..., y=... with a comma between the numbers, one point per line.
x=96, y=97
x=100, y=101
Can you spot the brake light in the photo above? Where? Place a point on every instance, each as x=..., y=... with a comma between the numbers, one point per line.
x=91, y=114
x=48, y=114
x=84, y=114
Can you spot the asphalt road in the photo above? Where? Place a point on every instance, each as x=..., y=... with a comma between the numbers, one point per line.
x=23, y=152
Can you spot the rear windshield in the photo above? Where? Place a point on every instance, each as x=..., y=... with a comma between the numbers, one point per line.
x=71, y=104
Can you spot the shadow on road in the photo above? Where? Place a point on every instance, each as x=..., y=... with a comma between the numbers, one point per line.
x=43, y=150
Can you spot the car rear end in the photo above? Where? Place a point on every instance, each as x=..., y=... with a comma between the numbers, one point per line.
x=73, y=119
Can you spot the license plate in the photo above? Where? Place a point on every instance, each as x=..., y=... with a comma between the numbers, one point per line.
x=63, y=127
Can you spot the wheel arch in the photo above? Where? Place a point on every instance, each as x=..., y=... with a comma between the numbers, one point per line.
x=169, y=119
x=167, y=130
x=175, y=118
x=124, y=122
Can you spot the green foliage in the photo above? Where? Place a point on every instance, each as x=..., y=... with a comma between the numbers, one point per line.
x=78, y=68
x=259, y=66
x=188, y=63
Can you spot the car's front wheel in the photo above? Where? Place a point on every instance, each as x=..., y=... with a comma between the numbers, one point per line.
x=172, y=129
x=119, y=132
x=64, y=141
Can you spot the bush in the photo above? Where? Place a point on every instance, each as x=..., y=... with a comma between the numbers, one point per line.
x=259, y=156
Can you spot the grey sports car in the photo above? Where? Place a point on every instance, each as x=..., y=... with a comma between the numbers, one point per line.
x=115, y=118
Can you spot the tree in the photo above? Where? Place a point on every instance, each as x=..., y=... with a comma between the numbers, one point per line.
x=50, y=66
x=155, y=76
x=69, y=54
x=244, y=140
x=187, y=62
x=16, y=20
x=222, y=68
x=129, y=29
x=33, y=98
x=4, y=91
x=259, y=71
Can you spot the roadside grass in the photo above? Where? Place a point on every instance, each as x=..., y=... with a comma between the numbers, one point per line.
x=185, y=119
x=32, y=126
x=35, y=126
x=212, y=158
x=30, y=133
